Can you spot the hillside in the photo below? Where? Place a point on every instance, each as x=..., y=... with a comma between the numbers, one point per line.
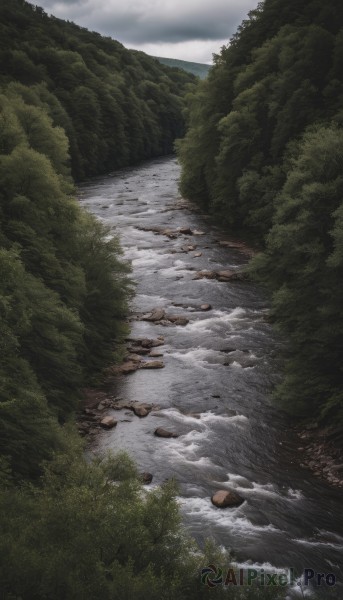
x=73, y=103
x=198, y=69
x=264, y=153
x=117, y=106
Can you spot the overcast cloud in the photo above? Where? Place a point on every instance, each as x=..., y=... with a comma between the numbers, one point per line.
x=186, y=29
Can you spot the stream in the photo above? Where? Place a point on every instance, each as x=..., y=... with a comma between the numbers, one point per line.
x=221, y=366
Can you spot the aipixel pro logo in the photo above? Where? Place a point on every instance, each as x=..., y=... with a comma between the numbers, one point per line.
x=212, y=576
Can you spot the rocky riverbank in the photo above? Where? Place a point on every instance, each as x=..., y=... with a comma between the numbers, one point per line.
x=320, y=454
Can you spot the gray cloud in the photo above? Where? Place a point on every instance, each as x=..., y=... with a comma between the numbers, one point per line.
x=53, y=4
x=140, y=22
x=155, y=30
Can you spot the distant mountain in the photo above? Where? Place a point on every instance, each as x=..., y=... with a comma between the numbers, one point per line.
x=198, y=69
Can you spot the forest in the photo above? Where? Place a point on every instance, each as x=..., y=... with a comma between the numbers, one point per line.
x=116, y=106
x=264, y=154
x=73, y=105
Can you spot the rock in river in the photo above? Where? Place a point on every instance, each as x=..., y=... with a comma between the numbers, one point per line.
x=227, y=274
x=206, y=307
x=186, y=231
x=146, y=478
x=205, y=275
x=155, y=353
x=138, y=350
x=135, y=358
x=128, y=367
x=108, y=422
x=141, y=410
x=146, y=343
x=164, y=433
x=153, y=364
x=225, y=498
x=156, y=315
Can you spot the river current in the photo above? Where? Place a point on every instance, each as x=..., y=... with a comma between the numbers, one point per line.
x=222, y=366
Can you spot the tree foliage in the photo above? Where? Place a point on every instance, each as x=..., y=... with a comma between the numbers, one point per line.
x=90, y=531
x=302, y=264
x=63, y=287
x=73, y=104
x=263, y=152
x=116, y=106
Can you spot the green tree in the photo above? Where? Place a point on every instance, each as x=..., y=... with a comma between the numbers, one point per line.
x=302, y=264
x=90, y=531
x=251, y=125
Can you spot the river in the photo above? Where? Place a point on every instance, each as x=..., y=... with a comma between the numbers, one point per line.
x=221, y=365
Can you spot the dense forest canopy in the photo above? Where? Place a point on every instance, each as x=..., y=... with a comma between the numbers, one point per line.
x=117, y=106
x=73, y=104
x=263, y=152
x=76, y=104
x=63, y=287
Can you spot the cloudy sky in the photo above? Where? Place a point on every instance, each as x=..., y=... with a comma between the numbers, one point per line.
x=186, y=29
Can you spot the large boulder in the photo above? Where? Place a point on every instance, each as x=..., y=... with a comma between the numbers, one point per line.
x=141, y=410
x=164, y=433
x=156, y=315
x=155, y=353
x=128, y=367
x=225, y=274
x=206, y=307
x=108, y=422
x=153, y=364
x=225, y=498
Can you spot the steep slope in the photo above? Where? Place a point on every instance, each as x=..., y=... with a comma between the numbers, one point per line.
x=264, y=152
x=71, y=103
x=116, y=106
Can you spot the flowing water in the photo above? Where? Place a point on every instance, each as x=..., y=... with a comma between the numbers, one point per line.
x=222, y=365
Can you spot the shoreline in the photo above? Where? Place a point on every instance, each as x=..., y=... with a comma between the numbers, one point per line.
x=320, y=455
